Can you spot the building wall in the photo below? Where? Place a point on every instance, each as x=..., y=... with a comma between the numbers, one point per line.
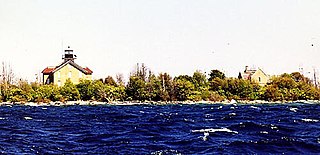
x=260, y=77
x=45, y=78
x=69, y=72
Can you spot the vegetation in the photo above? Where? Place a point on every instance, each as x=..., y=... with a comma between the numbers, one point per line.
x=143, y=85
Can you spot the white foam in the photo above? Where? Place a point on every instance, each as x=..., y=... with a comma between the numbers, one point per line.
x=309, y=120
x=294, y=109
x=233, y=101
x=215, y=130
x=27, y=118
x=206, y=135
x=232, y=114
x=31, y=104
x=273, y=127
x=253, y=107
x=220, y=107
x=264, y=132
x=207, y=115
x=188, y=120
x=1, y=118
x=44, y=108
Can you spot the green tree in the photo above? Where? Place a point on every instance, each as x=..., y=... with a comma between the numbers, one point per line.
x=136, y=88
x=167, y=87
x=183, y=89
x=47, y=93
x=200, y=81
x=110, y=81
x=86, y=90
x=69, y=91
x=216, y=74
x=153, y=88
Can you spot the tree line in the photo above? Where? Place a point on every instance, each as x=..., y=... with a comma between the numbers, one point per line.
x=144, y=85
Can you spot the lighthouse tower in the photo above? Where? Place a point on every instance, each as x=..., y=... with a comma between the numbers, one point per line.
x=68, y=55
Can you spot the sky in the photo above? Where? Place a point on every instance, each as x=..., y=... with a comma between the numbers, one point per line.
x=174, y=36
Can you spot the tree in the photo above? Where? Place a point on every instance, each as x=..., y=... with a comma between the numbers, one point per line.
x=183, y=89
x=86, y=90
x=239, y=76
x=200, y=81
x=167, y=87
x=216, y=74
x=290, y=87
x=136, y=88
x=110, y=81
x=69, y=91
x=120, y=79
x=7, y=77
x=153, y=88
x=99, y=92
x=140, y=71
x=47, y=93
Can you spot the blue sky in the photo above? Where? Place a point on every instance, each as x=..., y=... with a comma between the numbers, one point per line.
x=174, y=36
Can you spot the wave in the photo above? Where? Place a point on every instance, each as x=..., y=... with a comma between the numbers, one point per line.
x=172, y=129
x=216, y=130
x=309, y=120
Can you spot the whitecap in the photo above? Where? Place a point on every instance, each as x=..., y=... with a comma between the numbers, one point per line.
x=166, y=152
x=233, y=101
x=253, y=107
x=188, y=120
x=1, y=118
x=264, y=132
x=27, y=118
x=216, y=130
x=293, y=109
x=309, y=120
x=220, y=107
x=231, y=107
x=44, y=108
x=232, y=114
x=209, y=119
x=273, y=127
x=205, y=136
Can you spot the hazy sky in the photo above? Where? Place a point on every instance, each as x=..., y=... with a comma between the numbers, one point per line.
x=174, y=36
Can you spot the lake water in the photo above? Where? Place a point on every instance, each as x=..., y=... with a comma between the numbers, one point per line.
x=169, y=129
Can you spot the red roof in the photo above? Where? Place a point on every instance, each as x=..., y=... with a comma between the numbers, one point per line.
x=89, y=71
x=48, y=70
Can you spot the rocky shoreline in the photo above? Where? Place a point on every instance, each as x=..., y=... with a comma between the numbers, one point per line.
x=93, y=103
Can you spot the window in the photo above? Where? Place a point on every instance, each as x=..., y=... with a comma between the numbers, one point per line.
x=59, y=74
x=259, y=79
x=70, y=74
x=59, y=83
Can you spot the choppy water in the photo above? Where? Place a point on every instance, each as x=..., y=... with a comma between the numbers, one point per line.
x=169, y=129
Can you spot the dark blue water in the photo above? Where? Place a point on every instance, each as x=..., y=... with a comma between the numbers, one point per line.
x=169, y=129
